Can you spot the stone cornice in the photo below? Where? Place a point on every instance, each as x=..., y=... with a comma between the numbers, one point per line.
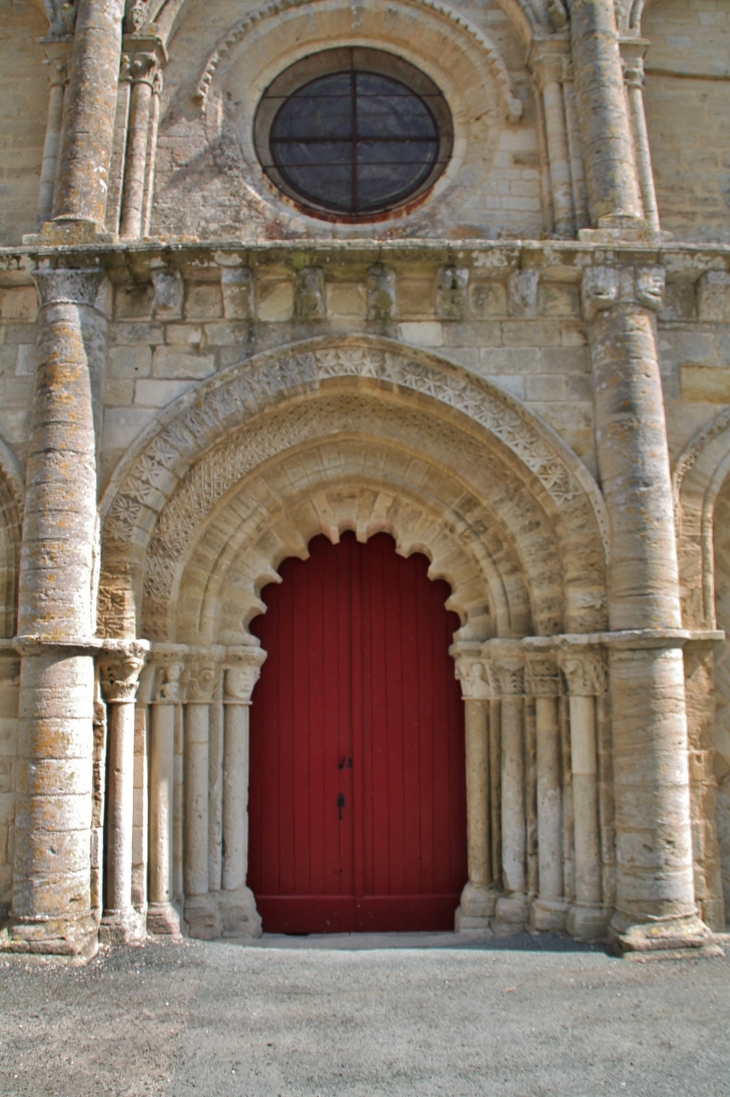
x=496, y=258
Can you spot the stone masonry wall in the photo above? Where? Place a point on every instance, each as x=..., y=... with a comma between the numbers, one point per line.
x=687, y=98
x=24, y=105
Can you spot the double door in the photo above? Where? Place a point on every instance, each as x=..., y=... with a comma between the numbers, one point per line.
x=357, y=795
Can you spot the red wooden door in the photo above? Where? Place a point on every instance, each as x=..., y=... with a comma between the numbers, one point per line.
x=357, y=798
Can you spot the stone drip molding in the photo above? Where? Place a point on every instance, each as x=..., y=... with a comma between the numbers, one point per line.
x=204, y=416
x=511, y=102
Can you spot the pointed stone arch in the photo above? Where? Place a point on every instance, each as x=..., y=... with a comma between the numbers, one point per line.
x=516, y=524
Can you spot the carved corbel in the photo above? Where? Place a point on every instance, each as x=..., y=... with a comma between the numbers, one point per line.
x=604, y=288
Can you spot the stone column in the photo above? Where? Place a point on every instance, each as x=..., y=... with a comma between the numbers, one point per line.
x=575, y=147
x=655, y=906
x=585, y=673
x=119, y=669
x=89, y=112
x=149, y=187
x=507, y=675
x=632, y=52
x=51, y=886
x=201, y=909
x=613, y=189
x=549, y=910
x=237, y=903
x=547, y=65
x=478, y=898
x=162, y=917
x=58, y=53
x=142, y=69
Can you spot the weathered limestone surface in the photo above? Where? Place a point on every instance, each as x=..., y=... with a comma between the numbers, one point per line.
x=520, y=375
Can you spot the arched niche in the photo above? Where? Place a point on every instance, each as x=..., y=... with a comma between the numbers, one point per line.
x=502, y=493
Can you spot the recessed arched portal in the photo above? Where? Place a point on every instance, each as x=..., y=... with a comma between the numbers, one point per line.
x=358, y=795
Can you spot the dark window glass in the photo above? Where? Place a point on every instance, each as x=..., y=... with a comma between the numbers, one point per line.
x=355, y=142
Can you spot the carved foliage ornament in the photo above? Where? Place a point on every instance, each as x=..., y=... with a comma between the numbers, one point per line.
x=586, y=673
x=119, y=672
x=68, y=287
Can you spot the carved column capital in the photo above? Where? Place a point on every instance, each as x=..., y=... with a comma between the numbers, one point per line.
x=168, y=662
x=58, y=56
x=242, y=670
x=472, y=671
x=547, y=64
x=605, y=288
x=200, y=679
x=142, y=59
x=508, y=675
x=585, y=672
x=119, y=670
x=62, y=286
x=542, y=675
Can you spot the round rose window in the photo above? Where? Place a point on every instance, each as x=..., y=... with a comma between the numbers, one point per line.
x=353, y=133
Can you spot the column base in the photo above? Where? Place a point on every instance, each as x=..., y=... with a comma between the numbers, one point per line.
x=588, y=923
x=163, y=920
x=69, y=940
x=239, y=917
x=122, y=927
x=203, y=917
x=668, y=939
x=510, y=915
x=472, y=926
x=549, y=914
x=478, y=901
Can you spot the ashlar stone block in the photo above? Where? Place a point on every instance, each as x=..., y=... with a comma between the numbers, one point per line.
x=237, y=288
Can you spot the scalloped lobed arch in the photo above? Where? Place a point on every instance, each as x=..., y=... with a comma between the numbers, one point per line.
x=516, y=524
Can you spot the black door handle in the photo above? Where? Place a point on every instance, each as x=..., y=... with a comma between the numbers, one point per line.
x=340, y=803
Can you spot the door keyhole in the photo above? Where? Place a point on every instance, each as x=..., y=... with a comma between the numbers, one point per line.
x=340, y=803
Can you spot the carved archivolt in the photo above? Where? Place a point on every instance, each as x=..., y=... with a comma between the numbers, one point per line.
x=516, y=484
x=700, y=472
x=166, y=15
x=492, y=56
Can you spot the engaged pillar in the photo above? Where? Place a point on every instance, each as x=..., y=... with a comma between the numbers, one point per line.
x=614, y=198
x=119, y=671
x=655, y=903
x=162, y=916
x=237, y=903
x=201, y=908
x=478, y=898
x=52, y=876
x=585, y=673
x=507, y=671
x=549, y=910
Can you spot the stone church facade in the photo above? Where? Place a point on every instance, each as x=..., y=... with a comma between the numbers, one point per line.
x=519, y=368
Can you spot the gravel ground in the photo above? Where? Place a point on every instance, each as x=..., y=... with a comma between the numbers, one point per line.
x=323, y=1018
